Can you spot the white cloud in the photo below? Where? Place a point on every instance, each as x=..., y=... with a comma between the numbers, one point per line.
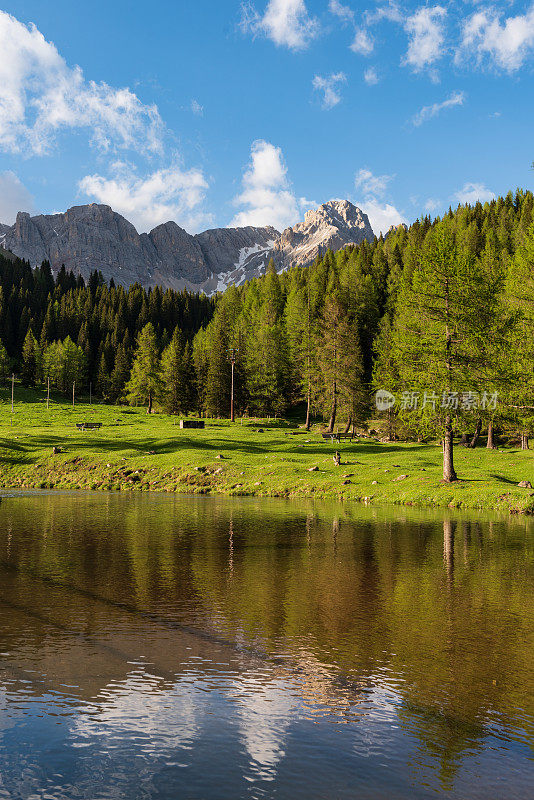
x=381, y=216
x=330, y=88
x=472, y=193
x=344, y=13
x=286, y=22
x=506, y=43
x=362, y=43
x=425, y=31
x=389, y=11
x=41, y=95
x=427, y=112
x=167, y=194
x=370, y=76
x=267, y=197
x=13, y=197
x=372, y=184
x=432, y=205
x=196, y=108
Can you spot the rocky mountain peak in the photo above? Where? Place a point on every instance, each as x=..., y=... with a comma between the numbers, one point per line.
x=332, y=225
x=339, y=213
x=93, y=236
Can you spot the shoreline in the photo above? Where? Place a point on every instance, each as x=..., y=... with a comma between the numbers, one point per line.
x=42, y=448
x=218, y=481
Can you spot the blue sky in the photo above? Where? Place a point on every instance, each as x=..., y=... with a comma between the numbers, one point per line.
x=221, y=112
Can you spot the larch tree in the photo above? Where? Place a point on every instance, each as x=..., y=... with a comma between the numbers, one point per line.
x=446, y=310
x=520, y=297
x=145, y=380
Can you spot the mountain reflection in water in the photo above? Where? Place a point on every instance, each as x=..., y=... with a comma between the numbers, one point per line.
x=155, y=646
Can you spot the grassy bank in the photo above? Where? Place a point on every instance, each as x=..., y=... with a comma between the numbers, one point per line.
x=136, y=452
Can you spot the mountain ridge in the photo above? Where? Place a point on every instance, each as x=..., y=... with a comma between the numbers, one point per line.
x=93, y=236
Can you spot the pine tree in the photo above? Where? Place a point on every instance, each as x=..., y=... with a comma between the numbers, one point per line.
x=103, y=379
x=4, y=362
x=120, y=373
x=145, y=380
x=178, y=376
x=31, y=359
x=217, y=389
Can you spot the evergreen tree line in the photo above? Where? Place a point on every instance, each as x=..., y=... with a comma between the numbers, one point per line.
x=68, y=330
x=442, y=308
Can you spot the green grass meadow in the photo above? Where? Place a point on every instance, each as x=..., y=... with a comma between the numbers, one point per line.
x=138, y=452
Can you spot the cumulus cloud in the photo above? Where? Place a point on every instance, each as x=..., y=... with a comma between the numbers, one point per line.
x=196, y=108
x=286, y=22
x=506, y=42
x=370, y=76
x=40, y=95
x=166, y=194
x=426, y=37
x=14, y=197
x=427, y=112
x=372, y=184
x=472, y=193
x=329, y=86
x=362, y=42
x=381, y=213
x=267, y=197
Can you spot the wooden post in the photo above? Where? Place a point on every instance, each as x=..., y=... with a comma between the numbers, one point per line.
x=90, y=393
x=73, y=390
x=48, y=393
x=12, y=390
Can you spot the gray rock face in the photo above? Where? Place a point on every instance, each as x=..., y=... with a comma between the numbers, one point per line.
x=90, y=237
x=333, y=225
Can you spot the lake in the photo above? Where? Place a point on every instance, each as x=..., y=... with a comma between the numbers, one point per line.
x=158, y=646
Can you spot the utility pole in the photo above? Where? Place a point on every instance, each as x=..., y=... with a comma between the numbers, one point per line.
x=233, y=355
x=48, y=393
x=90, y=393
x=73, y=390
x=12, y=391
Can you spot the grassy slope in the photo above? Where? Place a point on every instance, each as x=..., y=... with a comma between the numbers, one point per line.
x=139, y=452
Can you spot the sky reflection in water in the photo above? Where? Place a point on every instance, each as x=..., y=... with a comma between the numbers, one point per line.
x=155, y=647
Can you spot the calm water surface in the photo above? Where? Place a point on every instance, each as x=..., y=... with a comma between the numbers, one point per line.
x=162, y=647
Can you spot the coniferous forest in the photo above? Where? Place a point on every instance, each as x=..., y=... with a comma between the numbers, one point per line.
x=439, y=314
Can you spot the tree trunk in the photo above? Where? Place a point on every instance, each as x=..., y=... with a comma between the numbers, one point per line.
x=334, y=410
x=347, y=426
x=464, y=440
x=474, y=440
x=149, y=409
x=449, y=475
x=390, y=425
x=524, y=441
x=308, y=408
x=490, y=444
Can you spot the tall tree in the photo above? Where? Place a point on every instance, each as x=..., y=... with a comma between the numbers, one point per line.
x=145, y=379
x=178, y=376
x=445, y=312
x=520, y=297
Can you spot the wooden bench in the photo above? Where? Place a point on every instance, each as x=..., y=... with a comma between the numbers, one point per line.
x=88, y=426
x=338, y=437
